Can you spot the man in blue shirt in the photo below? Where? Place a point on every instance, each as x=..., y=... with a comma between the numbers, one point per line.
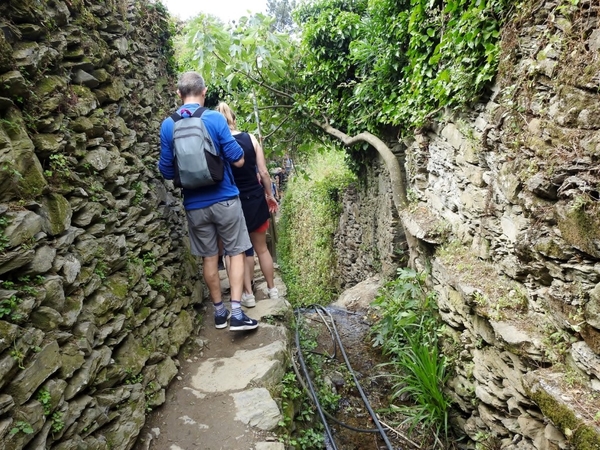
x=212, y=211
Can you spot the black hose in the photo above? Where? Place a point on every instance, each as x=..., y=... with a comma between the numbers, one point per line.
x=339, y=422
x=358, y=386
x=337, y=343
x=312, y=389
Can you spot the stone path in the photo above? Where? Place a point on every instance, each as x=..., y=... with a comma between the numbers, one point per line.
x=221, y=397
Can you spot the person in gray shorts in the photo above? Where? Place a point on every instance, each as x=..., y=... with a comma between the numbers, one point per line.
x=212, y=211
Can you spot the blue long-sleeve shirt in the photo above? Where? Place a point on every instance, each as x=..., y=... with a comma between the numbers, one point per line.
x=224, y=142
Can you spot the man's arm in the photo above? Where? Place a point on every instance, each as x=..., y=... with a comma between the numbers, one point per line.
x=232, y=151
x=239, y=163
x=165, y=162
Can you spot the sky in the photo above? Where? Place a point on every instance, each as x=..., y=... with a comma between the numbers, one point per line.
x=226, y=10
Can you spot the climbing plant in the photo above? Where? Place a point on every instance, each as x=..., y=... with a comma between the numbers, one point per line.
x=415, y=57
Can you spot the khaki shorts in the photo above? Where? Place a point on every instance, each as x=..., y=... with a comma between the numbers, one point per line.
x=223, y=219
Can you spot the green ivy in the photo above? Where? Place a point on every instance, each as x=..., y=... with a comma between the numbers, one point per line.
x=21, y=427
x=397, y=62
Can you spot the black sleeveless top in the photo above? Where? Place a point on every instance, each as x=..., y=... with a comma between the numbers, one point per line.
x=252, y=194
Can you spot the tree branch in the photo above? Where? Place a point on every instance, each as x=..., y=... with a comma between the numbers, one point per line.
x=275, y=107
x=277, y=127
x=390, y=160
x=255, y=80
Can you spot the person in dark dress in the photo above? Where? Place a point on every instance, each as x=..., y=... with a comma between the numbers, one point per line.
x=258, y=202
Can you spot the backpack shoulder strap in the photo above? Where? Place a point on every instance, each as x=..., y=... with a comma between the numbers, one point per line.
x=199, y=112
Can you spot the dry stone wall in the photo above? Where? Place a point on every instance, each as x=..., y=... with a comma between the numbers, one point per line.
x=96, y=284
x=505, y=207
x=369, y=239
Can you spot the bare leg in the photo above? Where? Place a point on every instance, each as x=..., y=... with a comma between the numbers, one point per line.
x=236, y=275
x=259, y=242
x=248, y=274
x=211, y=277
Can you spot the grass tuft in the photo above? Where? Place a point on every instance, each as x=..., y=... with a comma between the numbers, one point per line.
x=407, y=333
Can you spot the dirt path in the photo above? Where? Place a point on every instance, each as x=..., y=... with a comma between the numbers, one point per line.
x=220, y=398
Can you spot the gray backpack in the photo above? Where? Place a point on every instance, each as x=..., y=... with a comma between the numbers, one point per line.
x=197, y=162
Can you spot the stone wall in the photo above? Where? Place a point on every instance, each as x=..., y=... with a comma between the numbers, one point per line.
x=90, y=238
x=505, y=207
x=369, y=239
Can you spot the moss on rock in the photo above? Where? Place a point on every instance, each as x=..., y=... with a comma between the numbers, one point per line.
x=579, y=224
x=118, y=286
x=57, y=214
x=556, y=401
x=6, y=58
x=582, y=436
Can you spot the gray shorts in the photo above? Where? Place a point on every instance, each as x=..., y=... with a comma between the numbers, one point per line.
x=223, y=219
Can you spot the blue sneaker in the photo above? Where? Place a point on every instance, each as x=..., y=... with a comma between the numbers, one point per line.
x=245, y=323
x=221, y=321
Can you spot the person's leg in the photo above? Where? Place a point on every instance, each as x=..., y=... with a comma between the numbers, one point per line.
x=203, y=240
x=231, y=227
x=239, y=321
x=236, y=275
x=249, y=275
x=210, y=267
x=249, y=271
x=248, y=299
x=259, y=242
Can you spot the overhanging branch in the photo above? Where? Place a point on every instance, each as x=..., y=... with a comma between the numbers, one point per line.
x=260, y=108
x=391, y=162
x=277, y=127
x=256, y=81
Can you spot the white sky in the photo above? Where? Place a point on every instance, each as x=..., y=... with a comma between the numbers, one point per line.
x=226, y=10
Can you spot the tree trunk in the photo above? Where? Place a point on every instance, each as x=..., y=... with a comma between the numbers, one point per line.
x=396, y=178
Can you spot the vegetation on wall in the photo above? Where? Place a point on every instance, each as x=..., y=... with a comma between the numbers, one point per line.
x=309, y=218
x=82, y=87
x=156, y=19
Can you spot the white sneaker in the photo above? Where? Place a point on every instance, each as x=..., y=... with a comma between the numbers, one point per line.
x=248, y=300
x=273, y=292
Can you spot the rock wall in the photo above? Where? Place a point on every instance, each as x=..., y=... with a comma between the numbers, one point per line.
x=369, y=238
x=505, y=207
x=90, y=239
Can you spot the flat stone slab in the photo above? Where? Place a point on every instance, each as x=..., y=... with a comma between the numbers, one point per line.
x=269, y=446
x=260, y=367
x=257, y=408
x=269, y=307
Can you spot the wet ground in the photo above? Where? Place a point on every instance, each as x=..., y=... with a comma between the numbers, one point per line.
x=373, y=378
